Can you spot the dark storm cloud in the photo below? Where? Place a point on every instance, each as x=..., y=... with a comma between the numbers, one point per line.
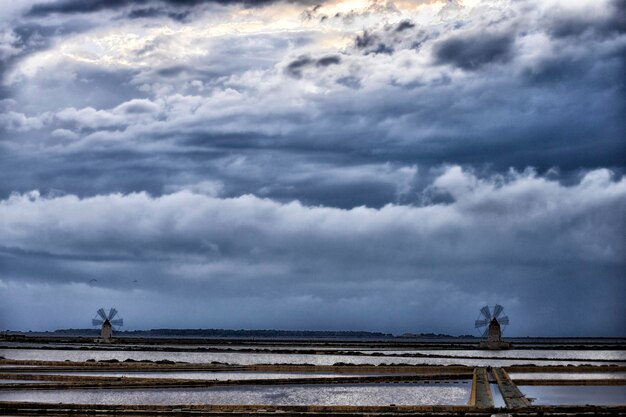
x=472, y=52
x=392, y=37
x=557, y=69
x=153, y=12
x=572, y=26
x=404, y=25
x=92, y=6
x=296, y=67
x=370, y=43
x=328, y=60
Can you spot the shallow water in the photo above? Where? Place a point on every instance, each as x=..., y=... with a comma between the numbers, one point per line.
x=371, y=394
x=567, y=375
x=219, y=376
x=600, y=355
x=498, y=401
x=20, y=381
x=261, y=358
x=558, y=354
x=575, y=395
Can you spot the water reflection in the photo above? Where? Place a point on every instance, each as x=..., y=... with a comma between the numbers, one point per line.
x=264, y=358
x=567, y=375
x=560, y=354
x=456, y=393
x=575, y=395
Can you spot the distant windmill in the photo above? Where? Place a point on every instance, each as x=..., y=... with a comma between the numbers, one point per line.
x=490, y=323
x=108, y=323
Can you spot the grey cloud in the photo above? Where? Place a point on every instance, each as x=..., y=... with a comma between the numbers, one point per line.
x=295, y=68
x=172, y=71
x=393, y=37
x=614, y=23
x=106, y=220
x=153, y=12
x=328, y=60
x=404, y=25
x=29, y=38
x=472, y=52
x=350, y=81
x=371, y=43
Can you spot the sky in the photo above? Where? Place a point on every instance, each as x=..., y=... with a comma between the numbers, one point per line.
x=381, y=165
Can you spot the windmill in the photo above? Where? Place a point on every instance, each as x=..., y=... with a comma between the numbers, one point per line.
x=108, y=323
x=490, y=323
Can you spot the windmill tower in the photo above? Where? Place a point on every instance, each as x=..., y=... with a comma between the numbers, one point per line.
x=491, y=326
x=107, y=321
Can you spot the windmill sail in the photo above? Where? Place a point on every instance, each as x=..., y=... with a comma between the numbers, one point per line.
x=112, y=317
x=480, y=323
x=102, y=314
x=486, y=312
x=497, y=310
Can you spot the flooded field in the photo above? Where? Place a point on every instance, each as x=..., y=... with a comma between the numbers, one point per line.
x=372, y=394
x=567, y=375
x=498, y=401
x=575, y=395
x=222, y=375
x=560, y=354
x=246, y=358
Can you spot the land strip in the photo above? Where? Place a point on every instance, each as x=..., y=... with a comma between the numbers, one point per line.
x=72, y=382
x=167, y=364
x=513, y=397
x=158, y=366
x=33, y=408
x=480, y=395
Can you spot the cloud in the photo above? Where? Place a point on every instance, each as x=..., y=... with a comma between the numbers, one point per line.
x=13, y=121
x=404, y=25
x=510, y=227
x=328, y=60
x=470, y=52
x=297, y=66
x=154, y=12
x=608, y=22
x=371, y=43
